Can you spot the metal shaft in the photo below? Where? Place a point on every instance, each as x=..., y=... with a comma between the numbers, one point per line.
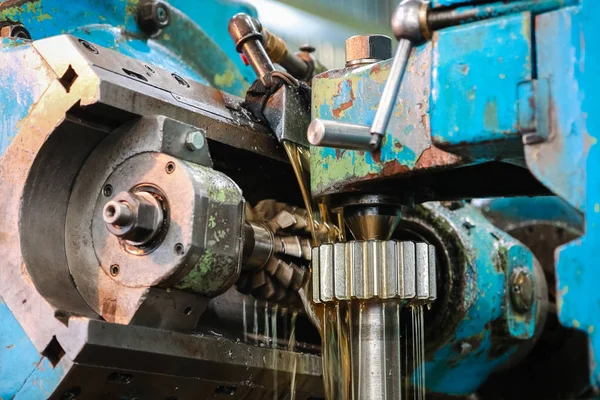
x=339, y=135
x=117, y=213
x=390, y=92
x=258, y=58
x=375, y=344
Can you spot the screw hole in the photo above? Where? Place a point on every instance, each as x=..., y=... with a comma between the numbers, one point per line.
x=90, y=47
x=114, y=270
x=180, y=80
x=107, y=191
x=179, y=249
x=170, y=168
x=188, y=310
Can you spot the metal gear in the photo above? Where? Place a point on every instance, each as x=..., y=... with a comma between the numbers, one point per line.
x=282, y=269
x=374, y=269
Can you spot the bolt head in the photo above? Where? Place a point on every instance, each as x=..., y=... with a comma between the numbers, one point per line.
x=153, y=16
x=14, y=31
x=144, y=219
x=366, y=49
x=194, y=141
x=162, y=14
x=522, y=290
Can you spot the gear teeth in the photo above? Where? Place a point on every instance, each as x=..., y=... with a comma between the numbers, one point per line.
x=268, y=208
x=374, y=270
x=285, y=274
x=279, y=279
x=291, y=246
x=302, y=220
x=259, y=279
x=306, y=249
x=272, y=265
x=267, y=291
x=283, y=220
x=299, y=277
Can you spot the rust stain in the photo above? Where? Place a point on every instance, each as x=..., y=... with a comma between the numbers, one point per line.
x=376, y=155
x=394, y=168
x=435, y=157
x=431, y=158
x=109, y=309
x=344, y=106
x=376, y=69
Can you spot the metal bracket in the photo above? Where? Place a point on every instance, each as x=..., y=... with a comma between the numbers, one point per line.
x=533, y=111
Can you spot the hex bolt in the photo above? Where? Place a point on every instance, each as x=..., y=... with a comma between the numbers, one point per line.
x=194, y=141
x=522, y=291
x=367, y=49
x=152, y=16
x=117, y=213
x=133, y=217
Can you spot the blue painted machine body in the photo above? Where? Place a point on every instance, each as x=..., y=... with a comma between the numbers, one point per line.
x=519, y=88
x=195, y=45
x=469, y=98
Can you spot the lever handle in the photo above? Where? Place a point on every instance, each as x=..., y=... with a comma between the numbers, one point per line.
x=390, y=93
x=246, y=32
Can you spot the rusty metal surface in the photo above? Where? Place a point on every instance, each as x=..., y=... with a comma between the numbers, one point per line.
x=81, y=104
x=351, y=95
x=33, y=312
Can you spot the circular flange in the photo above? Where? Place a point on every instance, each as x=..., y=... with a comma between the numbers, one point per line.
x=180, y=245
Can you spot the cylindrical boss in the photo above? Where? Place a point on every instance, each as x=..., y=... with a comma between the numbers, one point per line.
x=339, y=135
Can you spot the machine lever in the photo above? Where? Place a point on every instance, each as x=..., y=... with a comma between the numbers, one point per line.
x=411, y=28
x=390, y=92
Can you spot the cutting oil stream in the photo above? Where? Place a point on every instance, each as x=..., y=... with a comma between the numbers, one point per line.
x=344, y=369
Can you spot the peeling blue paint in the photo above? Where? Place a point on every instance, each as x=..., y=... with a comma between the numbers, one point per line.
x=577, y=262
x=18, y=356
x=195, y=45
x=476, y=71
x=560, y=60
x=463, y=364
x=22, y=75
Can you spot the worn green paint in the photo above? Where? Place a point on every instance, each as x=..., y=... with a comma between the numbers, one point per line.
x=352, y=96
x=219, y=261
x=219, y=187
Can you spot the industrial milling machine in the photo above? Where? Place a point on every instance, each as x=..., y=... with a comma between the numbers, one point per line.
x=191, y=210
